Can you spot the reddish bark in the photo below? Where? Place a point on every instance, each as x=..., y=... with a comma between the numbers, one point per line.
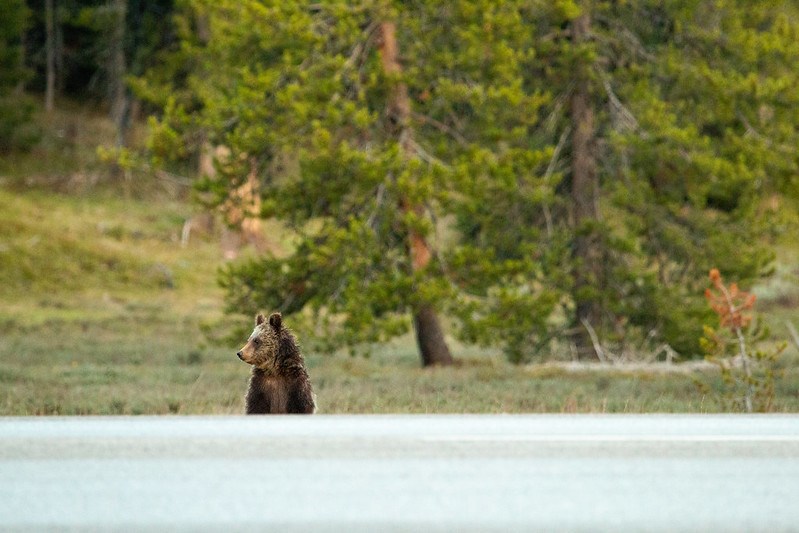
x=429, y=335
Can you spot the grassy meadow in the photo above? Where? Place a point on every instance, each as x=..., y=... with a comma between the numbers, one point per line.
x=102, y=311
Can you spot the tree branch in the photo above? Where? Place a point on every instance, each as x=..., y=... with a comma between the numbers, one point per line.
x=423, y=154
x=623, y=115
x=600, y=353
x=381, y=189
x=441, y=127
x=548, y=174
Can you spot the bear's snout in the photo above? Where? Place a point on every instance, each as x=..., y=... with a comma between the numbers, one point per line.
x=240, y=356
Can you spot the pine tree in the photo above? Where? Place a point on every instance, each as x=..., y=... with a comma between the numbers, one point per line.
x=687, y=84
x=50, y=38
x=657, y=193
x=15, y=110
x=650, y=121
x=429, y=336
x=355, y=152
x=526, y=169
x=584, y=193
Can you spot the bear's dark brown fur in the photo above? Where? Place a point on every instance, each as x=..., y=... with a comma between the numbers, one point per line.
x=279, y=383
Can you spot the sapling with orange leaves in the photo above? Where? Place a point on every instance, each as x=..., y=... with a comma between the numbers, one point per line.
x=755, y=371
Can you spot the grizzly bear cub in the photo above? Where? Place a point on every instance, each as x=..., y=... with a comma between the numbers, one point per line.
x=279, y=383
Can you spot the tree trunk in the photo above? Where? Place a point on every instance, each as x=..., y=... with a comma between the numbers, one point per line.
x=59, y=52
x=585, y=195
x=119, y=96
x=49, y=24
x=429, y=335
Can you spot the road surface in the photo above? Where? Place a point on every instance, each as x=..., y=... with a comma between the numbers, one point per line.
x=401, y=473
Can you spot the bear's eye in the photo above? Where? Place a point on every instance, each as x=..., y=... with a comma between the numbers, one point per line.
x=256, y=341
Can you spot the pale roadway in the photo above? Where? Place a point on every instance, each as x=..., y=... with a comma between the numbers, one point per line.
x=401, y=473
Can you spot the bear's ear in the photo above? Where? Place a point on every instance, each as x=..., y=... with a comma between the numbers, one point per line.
x=259, y=319
x=275, y=320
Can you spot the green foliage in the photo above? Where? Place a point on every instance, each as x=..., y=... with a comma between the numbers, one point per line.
x=303, y=92
x=145, y=359
x=12, y=27
x=84, y=31
x=17, y=129
x=748, y=374
x=694, y=127
x=681, y=175
x=766, y=371
x=16, y=111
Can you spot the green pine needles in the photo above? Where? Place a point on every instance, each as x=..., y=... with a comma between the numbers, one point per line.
x=517, y=168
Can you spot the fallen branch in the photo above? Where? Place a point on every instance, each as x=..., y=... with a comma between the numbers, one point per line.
x=600, y=353
x=671, y=355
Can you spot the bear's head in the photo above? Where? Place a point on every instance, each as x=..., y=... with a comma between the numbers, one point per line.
x=263, y=345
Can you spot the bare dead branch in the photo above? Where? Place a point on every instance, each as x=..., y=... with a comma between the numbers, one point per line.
x=600, y=353
x=423, y=154
x=548, y=174
x=441, y=127
x=553, y=119
x=625, y=119
x=381, y=189
x=362, y=46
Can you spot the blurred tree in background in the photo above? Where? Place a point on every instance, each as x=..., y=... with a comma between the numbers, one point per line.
x=15, y=108
x=88, y=49
x=654, y=188
x=689, y=170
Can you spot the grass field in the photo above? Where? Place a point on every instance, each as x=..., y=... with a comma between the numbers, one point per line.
x=102, y=311
x=136, y=358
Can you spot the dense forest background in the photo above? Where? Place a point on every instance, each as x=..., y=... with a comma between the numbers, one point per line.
x=552, y=179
